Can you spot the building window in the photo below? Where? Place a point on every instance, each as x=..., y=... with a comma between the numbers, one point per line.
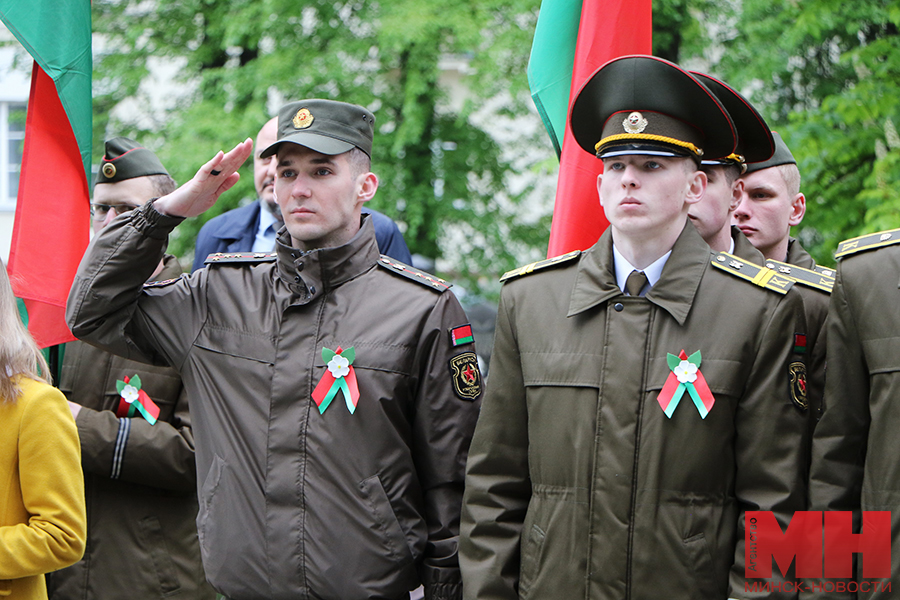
x=12, y=139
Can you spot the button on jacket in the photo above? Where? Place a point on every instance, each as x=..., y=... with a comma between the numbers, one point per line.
x=578, y=484
x=140, y=482
x=294, y=503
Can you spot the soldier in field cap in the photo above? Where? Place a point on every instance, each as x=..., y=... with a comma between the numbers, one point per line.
x=139, y=470
x=337, y=389
x=644, y=393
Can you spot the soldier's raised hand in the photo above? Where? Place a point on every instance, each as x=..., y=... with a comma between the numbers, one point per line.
x=211, y=181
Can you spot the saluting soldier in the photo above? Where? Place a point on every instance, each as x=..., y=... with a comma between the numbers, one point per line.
x=854, y=460
x=712, y=214
x=335, y=390
x=771, y=203
x=137, y=445
x=643, y=393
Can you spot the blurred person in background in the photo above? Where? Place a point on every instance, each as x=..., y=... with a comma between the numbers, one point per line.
x=42, y=514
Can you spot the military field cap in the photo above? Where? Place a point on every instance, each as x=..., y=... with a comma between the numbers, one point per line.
x=782, y=156
x=126, y=159
x=755, y=141
x=646, y=105
x=325, y=126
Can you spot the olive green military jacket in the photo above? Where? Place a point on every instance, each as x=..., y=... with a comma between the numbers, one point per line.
x=815, y=303
x=300, y=498
x=140, y=482
x=578, y=485
x=855, y=458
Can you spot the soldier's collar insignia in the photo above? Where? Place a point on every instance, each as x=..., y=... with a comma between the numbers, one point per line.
x=635, y=123
x=303, y=119
x=109, y=170
x=685, y=376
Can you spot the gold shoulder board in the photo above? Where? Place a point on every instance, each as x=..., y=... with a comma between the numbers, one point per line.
x=432, y=281
x=761, y=276
x=868, y=242
x=808, y=277
x=239, y=257
x=537, y=266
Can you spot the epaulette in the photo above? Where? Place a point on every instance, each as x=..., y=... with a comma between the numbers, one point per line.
x=543, y=264
x=239, y=257
x=807, y=277
x=826, y=271
x=761, y=276
x=867, y=242
x=435, y=283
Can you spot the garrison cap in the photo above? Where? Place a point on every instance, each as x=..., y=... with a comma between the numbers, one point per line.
x=326, y=126
x=646, y=105
x=755, y=141
x=126, y=159
x=782, y=156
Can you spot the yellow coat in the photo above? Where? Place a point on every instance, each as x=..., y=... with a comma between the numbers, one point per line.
x=42, y=514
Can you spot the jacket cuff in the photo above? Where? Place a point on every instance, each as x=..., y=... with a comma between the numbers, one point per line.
x=153, y=224
x=443, y=591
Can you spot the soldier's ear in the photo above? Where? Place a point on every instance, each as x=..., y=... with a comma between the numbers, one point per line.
x=798, y=209
x=696, y=187
x=368, y=185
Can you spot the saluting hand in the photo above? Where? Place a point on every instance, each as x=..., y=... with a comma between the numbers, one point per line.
x=211, y=181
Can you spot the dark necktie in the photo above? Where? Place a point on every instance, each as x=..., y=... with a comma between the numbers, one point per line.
x=635, y=283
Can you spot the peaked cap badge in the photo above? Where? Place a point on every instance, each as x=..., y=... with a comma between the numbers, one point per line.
x=635, y=123
x=303, y=119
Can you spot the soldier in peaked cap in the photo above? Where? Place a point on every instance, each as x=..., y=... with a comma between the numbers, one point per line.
x=340, y=388
x=137, y=469
x=712, y=214
x=643, y=393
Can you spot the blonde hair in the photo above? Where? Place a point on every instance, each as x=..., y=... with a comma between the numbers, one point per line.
x=791, y=176
x=19, y=354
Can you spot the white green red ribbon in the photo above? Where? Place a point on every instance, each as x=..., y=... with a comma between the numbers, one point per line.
x=685, y=377
x=339, y=377
x=134, y=399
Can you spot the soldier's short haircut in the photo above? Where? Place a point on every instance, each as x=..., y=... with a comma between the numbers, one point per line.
x=359, y=161
x=163, y=184
x=791, y=175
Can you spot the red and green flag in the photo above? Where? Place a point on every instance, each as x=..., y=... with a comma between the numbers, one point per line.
x=572, y=39
x=52, y=222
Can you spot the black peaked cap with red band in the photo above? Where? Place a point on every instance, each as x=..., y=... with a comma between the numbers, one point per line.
x=647, y=105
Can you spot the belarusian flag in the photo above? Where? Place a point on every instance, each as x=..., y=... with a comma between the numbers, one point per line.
x=562, y=60
x=52, y=222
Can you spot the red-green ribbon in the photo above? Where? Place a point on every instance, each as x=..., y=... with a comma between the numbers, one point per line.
x=134, y=399
x=685, y=377
x=340, y=376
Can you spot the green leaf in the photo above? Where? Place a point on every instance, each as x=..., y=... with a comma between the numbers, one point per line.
x=694, y=359
x=327, y=354
x=135, y=381
x=673, y=361
x=349, y=354
x=120, y=385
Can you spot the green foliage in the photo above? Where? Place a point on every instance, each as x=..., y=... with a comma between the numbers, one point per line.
x=238, y=60
x=826, y=74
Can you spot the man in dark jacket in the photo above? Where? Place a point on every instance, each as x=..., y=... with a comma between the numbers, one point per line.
x=337, y=389
x=252, y=228
x=645, y=393
x=140, y=477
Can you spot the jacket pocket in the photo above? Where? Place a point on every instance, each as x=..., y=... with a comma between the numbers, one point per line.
x=701, y=560
x=159, y=554
x=882, y=355
x=207, y=499
x=241, y=344
x=724, y=377
x=391, y=534
x=532, y=546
